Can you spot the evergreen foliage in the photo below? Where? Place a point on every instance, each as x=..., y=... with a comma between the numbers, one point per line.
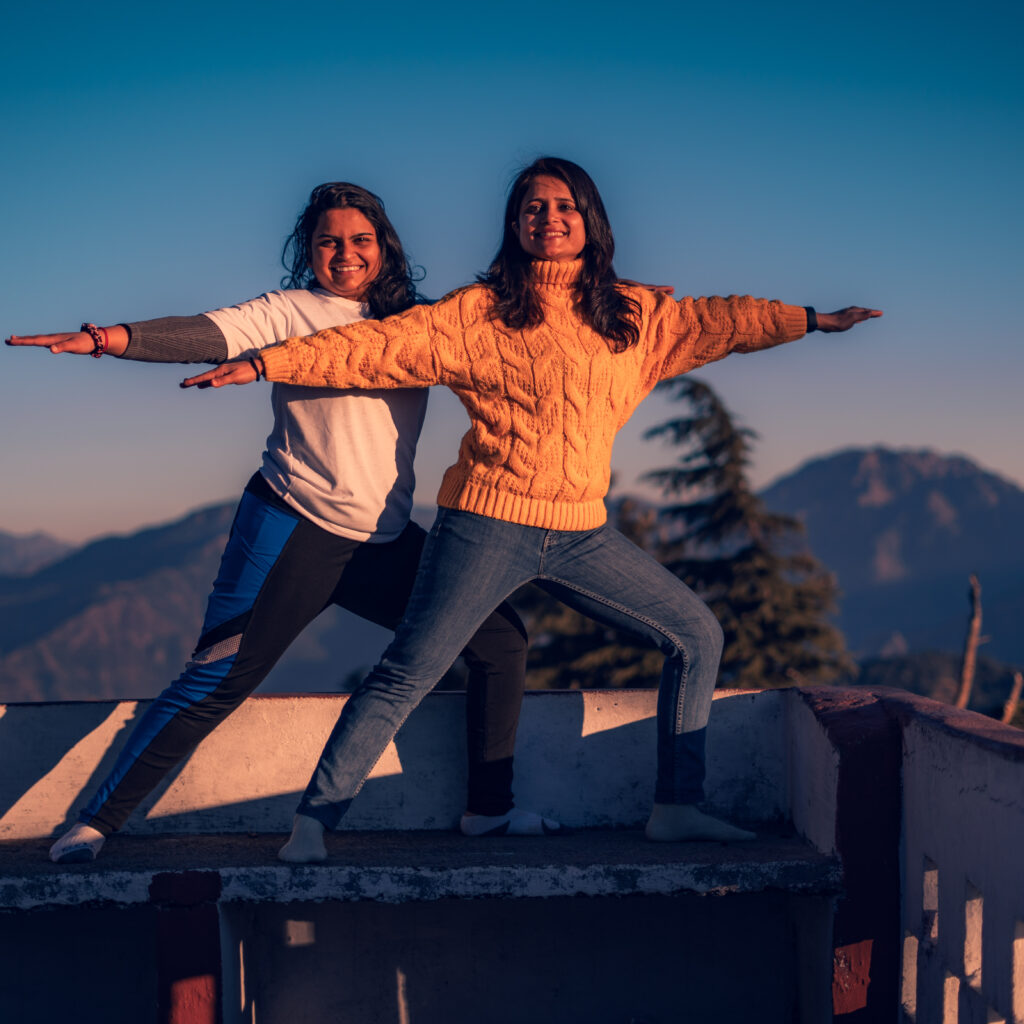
x=771, y=597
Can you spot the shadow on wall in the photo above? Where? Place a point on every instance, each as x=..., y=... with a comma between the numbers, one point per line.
x=60, y=764
x=585, y=757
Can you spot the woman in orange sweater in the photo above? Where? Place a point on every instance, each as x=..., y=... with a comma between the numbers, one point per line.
x=550, y=354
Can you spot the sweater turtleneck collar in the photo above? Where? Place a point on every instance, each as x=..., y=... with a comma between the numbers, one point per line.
x=551, y=274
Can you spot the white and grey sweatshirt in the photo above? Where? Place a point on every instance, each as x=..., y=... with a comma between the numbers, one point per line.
x=342, y=459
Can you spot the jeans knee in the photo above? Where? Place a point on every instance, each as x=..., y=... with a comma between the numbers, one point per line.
x=715, y=636
x=400, y=683
x=702, y=637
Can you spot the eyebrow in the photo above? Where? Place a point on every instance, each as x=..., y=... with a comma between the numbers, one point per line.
x=355, y=234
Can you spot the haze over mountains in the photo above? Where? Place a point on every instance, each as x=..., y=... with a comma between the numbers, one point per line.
x=901, y=529
x=120, y=616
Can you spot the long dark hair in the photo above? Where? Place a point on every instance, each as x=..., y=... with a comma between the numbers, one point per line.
x=393, y=289
x=601, y=305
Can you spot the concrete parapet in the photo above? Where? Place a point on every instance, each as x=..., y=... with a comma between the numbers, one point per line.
x=584, y=757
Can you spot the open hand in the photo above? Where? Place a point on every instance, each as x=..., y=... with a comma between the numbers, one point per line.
x=78, y=342
x=241, y=372
x=844, y=319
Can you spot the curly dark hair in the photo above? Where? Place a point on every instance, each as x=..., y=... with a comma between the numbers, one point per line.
x=600, y=304
x=393, y=289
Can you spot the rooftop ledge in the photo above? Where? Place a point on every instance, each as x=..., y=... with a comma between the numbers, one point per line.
x=395, y=867
x=585, y=758
x=901, y=820
x=795, y=765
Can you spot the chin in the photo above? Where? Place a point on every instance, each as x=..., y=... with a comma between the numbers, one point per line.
x=348, y=290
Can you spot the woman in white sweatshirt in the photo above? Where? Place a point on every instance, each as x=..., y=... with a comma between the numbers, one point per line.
x=325, y=519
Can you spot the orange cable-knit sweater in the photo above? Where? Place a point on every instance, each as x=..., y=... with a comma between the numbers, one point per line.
x=546, y=402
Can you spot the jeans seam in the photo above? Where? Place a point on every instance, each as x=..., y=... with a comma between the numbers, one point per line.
x=684, y=657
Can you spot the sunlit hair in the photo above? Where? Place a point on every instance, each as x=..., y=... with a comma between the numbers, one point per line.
x=599, y=303
x=393, y=289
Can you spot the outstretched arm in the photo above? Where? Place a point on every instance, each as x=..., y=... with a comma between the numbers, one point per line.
x=693, y=332
x=425, y=345
x=169, y=339
x=395, y=352
x=684, y=335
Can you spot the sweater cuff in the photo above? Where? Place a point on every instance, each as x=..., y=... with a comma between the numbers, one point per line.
x=794, y=321
x=277, y=363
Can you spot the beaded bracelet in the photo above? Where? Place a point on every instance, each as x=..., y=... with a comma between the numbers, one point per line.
x=99, y=339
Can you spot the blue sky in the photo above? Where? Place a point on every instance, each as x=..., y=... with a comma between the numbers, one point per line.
x=156, y=157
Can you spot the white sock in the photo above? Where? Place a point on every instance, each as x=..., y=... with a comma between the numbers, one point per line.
x=513, y=823
x=683, y=823
x=79, y=845
x=306, y=845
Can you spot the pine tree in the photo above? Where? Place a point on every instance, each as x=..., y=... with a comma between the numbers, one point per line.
x=771, y=596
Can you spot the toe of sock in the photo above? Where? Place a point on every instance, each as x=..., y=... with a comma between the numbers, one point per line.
x=555, y=828
x=74, y=855
x=79, y=845
x=515, y=822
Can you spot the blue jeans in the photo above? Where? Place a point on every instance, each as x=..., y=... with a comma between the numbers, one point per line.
x=469, y=565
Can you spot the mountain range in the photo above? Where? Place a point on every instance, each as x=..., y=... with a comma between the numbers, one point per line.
x=900, y=529
x=119, y=617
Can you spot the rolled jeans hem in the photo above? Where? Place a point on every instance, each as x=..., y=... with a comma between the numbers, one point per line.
x=329, y=815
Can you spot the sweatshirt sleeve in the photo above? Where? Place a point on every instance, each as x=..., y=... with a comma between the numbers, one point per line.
x=417, y=348
x=176, y=339
x=684, y=335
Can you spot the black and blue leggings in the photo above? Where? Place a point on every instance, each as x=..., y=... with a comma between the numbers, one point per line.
x=278, y=572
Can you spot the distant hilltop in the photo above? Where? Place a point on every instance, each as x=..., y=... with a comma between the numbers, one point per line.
x=900, y=529
x=21, y=554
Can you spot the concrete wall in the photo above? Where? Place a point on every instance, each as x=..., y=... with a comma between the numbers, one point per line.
x=963, y=866
x=650, y=960
x=586, y=758
x=924, y=805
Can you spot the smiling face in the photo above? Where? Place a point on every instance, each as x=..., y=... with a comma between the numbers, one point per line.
x=344, y=252
x=549, y=225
